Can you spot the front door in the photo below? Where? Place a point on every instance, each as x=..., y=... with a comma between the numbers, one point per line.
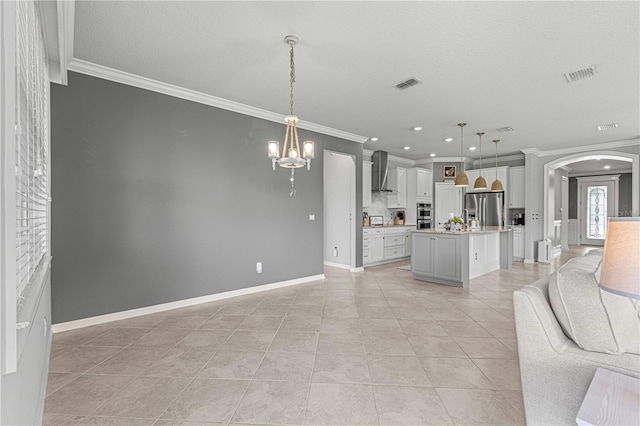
x=598, y=202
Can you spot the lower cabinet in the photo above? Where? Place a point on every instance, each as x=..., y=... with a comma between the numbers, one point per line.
x=439, y=256
x=382, y=244
x=518, y=243
x=407, y=241
x=484, y=254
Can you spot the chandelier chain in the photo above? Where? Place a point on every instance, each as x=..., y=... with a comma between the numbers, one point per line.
x=292, y=78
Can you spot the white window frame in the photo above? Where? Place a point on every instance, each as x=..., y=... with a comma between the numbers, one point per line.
x=17, y=309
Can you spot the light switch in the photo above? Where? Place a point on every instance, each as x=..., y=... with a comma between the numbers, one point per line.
x=312, y=217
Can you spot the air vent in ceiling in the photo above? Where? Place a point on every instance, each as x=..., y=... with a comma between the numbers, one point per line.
x=608, y=126
x=407, y=83
x=581, y=74
x=505, y=129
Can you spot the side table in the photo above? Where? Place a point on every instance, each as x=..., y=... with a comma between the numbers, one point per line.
x=612, y=399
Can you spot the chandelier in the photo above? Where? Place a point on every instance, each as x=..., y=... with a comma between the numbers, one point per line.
x=292, y=158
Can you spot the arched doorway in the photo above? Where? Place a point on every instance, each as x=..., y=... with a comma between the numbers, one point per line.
x=549, y=175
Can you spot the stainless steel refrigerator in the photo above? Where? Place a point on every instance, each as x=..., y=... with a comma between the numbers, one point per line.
x=486, y=207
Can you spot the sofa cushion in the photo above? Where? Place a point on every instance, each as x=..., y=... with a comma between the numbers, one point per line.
x=595, y=320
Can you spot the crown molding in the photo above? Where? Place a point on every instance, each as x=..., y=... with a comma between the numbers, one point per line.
x=402, y=160
x=514, y=157
x=572, y=150
x=534, y=151
x=111, y=74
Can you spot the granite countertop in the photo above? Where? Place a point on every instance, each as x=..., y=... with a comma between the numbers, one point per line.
x=485, y=230
x=390, y=226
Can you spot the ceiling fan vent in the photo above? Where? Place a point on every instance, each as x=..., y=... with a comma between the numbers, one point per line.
x=581, y=74
x=608, y=126
x=407, y=83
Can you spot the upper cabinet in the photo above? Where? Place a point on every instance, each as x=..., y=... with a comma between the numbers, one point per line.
x=398, y=184
x=366, y=183
x=516, y=187
x=489, y=174
x=419, y=190
x=419, y=183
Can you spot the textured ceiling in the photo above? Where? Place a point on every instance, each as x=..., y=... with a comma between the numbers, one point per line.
x=491, y=64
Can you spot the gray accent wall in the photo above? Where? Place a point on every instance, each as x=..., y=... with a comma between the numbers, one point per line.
x=158, y=199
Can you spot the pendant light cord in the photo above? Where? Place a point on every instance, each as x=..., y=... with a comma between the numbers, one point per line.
x=480, y=134
x=461, y=144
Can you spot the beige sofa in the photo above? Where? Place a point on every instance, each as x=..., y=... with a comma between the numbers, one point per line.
x=561, y=349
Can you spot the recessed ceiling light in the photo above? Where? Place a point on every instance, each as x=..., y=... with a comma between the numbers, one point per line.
x=406, y=147
x=607, y=167
x=433, y=154
x=417, y=128
x=448, y=140
x=374, y=139
x=505, y=129
x=608, y=126
x=598, y=159
x=472, y=148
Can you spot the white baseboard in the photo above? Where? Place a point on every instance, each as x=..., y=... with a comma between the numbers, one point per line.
x=116, y=316
x=337, y=265
x=347, y=267
x=529, y=261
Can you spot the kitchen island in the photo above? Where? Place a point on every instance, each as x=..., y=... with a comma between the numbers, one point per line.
x=455, y=257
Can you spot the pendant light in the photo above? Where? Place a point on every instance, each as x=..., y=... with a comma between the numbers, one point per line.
x=461, y=179
x=291, y=158
x=480, y=182
x=496, y=185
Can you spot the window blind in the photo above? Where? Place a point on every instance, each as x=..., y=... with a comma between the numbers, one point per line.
x=31, y=146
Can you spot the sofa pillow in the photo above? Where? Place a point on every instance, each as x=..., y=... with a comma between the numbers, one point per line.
x=577, y=302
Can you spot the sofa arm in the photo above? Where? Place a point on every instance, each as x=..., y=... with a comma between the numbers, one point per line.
x=555, y=372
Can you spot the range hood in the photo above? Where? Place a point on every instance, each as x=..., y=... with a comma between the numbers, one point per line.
x=379, y=172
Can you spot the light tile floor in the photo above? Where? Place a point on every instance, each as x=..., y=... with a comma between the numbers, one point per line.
x=371, y=348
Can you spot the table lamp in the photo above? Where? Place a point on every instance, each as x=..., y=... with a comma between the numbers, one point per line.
x=621, y=258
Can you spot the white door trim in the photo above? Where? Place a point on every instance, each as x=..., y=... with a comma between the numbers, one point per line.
x=352, y=208
x=548, y=216
x=586, y=180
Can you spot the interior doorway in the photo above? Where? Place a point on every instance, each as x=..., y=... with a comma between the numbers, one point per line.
x=549, y=205
x=598, y=200
x=339, y=210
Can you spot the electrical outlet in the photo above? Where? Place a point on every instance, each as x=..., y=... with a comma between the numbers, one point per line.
x=312, y=217
x=258, y=267
x=335, y=252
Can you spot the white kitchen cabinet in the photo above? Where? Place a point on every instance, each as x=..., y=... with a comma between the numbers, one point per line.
x=366, y=183
x=448, y=200
x=419, y=184
x=516, y=187
x=419, y=190
x=372, y=246
x=407, y=244
x=394, y=243
x=398, y=184
x=518, y=243
x=484, y=253
x=489, y=175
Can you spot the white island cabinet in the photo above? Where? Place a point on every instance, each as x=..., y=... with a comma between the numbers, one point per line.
x=453, y=258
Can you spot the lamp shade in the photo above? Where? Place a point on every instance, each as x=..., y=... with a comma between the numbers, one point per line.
x=480, y=183
x=497, y=186
x=461, y=180
x=621, y=258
